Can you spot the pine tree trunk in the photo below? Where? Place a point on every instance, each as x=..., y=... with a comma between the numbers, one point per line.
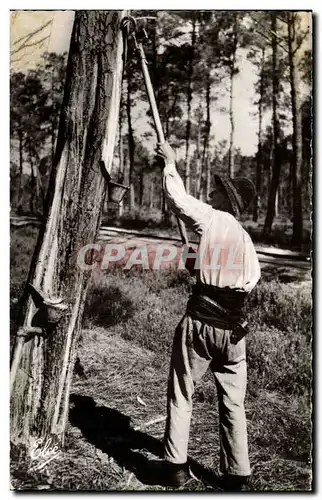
x=297, y=132
x=121, y=161
x=198, y=183
x=19, y=192
x=208, y=177
x=121, y=153
x=189, y=101
x=40, y=187
x=41, y=378
x=33, y=196
x=231, y=153
x=198, y=180
x=204, y=164
x=257, y=204
x=276, y=164
x=131, y=142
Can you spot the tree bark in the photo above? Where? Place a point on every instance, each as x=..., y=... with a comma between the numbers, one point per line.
x=19, y=193
x=130, y=142
x=208, y=176
x=276, y=163
x=189, y=101
x=297, y=131
x=33, y=202
x=205, y=151
x=40, y=187
x=121, y=153
x=198, y=182
x=40, y=390
x=121, y=159
x=231, y=153
x=257, y=204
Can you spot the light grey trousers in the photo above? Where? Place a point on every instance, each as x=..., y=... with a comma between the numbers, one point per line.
x=197, y=345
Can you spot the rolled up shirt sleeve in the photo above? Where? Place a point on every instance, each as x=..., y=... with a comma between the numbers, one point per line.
x=194, y=213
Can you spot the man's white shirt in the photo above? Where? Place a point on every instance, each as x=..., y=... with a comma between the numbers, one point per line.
x=227, y=254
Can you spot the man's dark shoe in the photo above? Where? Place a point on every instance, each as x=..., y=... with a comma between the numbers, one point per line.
x=168, y=474
x=230, y=482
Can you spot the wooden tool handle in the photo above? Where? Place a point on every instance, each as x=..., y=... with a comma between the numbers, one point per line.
x=151, y=97
x=157, y=123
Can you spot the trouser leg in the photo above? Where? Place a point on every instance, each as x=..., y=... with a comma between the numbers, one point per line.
x=189, y=361
x=231, y=387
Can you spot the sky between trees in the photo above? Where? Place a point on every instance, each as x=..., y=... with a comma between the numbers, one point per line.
x=56, y=38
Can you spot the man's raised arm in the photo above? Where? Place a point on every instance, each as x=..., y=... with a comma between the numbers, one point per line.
x=194, y=213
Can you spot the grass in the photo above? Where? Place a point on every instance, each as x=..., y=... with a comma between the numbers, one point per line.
x=125, y=346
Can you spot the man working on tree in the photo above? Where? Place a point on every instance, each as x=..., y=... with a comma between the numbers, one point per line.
x=207, y=334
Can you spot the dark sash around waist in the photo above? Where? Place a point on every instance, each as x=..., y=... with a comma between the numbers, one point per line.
x=221, y=307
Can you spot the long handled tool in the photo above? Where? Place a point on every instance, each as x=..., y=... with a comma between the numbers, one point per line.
x=149, y=89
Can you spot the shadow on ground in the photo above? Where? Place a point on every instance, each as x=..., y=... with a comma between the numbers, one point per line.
x=109, y=430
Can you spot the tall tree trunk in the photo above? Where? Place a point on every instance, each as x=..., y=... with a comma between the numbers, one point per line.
x=297, y=131
x=121, y=152
x=121, y=158
x=41, y=369
x=40, y=187
x=189, y=101
x=20, y=184
x=33, y=200
x=204, y=163
x=170, y=114
x=290, y=192
x=130, y=141
x=208, y=176
x=231, y=152
x=257, y=204
x=276, y=164
x=198, y=182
